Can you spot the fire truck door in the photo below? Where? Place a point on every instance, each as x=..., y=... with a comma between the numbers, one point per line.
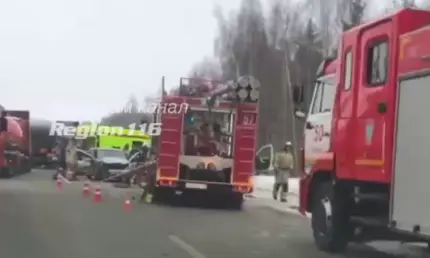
x=318, y=123
x=372, y=104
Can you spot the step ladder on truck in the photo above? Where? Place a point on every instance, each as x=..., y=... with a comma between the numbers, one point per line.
x=365, y=155
x=207, y=144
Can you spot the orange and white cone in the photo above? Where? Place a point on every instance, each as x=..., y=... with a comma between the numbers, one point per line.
x=59, y=183
x=86, y=190
x=97, y=195
x=127, y=204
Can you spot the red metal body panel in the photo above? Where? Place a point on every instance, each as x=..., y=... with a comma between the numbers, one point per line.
x=2, y=149
x=379, y=153
x=244, y=145
x=19, y=129
x=354, y=108
x=17, y=135
x=414, y=51
x=170, y=140
x=245, y=140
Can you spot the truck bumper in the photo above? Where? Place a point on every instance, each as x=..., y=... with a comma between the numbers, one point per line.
x=203, y=190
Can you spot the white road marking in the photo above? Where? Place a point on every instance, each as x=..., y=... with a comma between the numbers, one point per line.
x=186, y=247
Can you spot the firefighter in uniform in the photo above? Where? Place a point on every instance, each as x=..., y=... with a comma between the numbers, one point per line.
x=72, y=159
x=60, y=152
x=283, y=165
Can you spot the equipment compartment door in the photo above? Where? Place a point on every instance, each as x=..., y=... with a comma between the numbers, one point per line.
x=245, y=140
x=170, y=138
x=411, y=176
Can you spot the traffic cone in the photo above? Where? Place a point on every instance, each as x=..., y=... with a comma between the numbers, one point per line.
x=59, y=183
x=127, y=204
x=86, y=190
x=97, y=195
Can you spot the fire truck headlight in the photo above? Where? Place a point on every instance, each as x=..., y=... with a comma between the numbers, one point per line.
x=254, y=94
x=211, y=166
x=242, y=94
x=201, y=165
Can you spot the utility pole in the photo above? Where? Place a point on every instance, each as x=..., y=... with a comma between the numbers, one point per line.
x=163, y=89
x=286, y=84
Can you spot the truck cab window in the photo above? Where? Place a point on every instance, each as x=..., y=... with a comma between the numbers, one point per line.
x=377, y=64
x=202, y=132
x=325, y=91
x=348, y=71
x=316, y=105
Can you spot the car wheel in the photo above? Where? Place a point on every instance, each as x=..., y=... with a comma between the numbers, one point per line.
x=105, y=173
x=101, y=173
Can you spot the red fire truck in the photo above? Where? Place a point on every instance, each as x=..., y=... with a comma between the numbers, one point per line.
x=208, y=141
x=14, y=143
x=365, y=156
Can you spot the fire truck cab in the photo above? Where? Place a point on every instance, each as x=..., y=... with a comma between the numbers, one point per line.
x=208, y=140
x=365, y=156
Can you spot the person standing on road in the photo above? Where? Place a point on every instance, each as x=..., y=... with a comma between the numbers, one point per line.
x=283, y=165
x=72, y=159
x=60, y=152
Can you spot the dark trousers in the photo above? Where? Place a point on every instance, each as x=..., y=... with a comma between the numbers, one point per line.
x=284, y=190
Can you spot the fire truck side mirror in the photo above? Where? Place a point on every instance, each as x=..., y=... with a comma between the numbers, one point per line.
x=3, y=124
x=300, y=114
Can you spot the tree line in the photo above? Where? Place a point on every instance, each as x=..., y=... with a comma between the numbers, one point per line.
x=282, y=47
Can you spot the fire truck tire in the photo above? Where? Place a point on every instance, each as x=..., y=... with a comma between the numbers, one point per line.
x=330, y=232
x=237, y=202
x=7, y=172
x=160, y=196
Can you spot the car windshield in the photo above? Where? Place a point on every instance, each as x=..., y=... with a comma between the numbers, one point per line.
x=107, y=153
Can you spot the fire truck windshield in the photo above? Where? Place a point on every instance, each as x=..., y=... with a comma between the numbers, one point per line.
x=324, y=94
x=208, y=134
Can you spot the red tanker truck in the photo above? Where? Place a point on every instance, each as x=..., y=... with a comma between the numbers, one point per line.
x=15, y=151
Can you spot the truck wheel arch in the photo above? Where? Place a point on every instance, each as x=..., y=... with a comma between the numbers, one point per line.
x=318, y=177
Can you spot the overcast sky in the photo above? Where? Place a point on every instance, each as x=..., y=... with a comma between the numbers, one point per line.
x=80, y=59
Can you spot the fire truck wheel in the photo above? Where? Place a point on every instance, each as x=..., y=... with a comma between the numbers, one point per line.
x=7, y=172
x=160, y=196
x=329, y=221
x=237, y=202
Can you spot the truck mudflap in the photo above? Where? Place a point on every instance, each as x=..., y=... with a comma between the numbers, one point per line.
x=304, y=184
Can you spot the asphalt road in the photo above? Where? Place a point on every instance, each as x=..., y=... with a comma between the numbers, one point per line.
x=39, y=221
